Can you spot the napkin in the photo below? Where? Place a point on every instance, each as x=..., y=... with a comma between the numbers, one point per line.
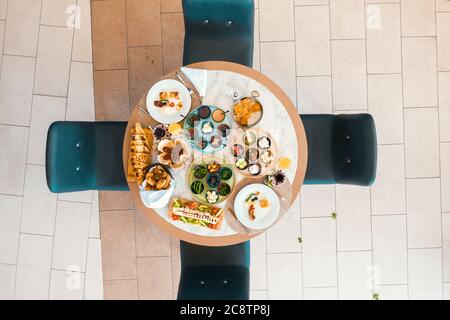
x=198, y=77
x=156, y=199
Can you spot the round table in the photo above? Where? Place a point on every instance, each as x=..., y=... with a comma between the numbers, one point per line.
x=137, y=115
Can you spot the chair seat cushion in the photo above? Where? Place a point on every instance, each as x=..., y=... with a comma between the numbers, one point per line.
x=69, y=157
x=214, y=283
x=200, y=47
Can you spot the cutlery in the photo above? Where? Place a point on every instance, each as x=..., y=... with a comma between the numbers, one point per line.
x=192, y=91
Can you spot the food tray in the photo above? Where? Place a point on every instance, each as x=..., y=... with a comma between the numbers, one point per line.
x=195, y=122
x=203, y=179
x=238, y=139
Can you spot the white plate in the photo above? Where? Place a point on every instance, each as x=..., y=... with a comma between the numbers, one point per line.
x=264, y=217
x=168, y=85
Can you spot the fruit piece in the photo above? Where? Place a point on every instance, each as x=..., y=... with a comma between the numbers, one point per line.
x=264, y=203
x=285, y=163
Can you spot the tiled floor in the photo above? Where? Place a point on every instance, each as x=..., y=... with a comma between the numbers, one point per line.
x=49, y=244
x=388, y=58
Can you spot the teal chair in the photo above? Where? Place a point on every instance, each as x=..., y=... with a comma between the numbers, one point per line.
x=214, y=273
x=85, y=156
x=342, y=149
x=218, y=30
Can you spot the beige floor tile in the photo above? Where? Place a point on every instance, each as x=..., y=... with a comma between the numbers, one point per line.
x=258, y=295
x=2, y=35
x=12, y=168
x=388, y=192
x=419, y=72
x=82, y=39
x=444, y=105
x=443, y=41
x=383, y=38
x=3, y=5
x=314, y=95
x=120, y=289
x=446, y=246
x=143, y=22
x=16, y=89
x=93, y=286
x=347, y=19
x=39, y=204
x=115, y=200
x=150, y=240
x=353, y=216
x=421, y=142
x=317, y=201
x=394, y=292
x=71, y=236
x=390, y=249
x=424, y=213
x=154, y=278
x=45, y=111
x=256, y=44
x=10, y=212
x=349, y=74
x=320, y=293
x=109, y=26
x=442, y=5
x=418, y=18
x=80, y=101
x=425, y=274
x=271, y=12
x=283, y=236
x=355, y=282
x=94, y=226
x=111, y=95
x=319, y=252
x=278, y=63
x=171, y=6
x=66, y=285
x=146, y=68
x=60, y=13
x=79, y=196
x=172, y=41
x=312, y=33
x=7, y=281
x=258, y=265
x=386, y=106
x=16, y=41
x=284, y=276
x=176, y=263
x=53, y=61
x=310, y=2
x=445, y=176
x=118, y=245
x=33, y=267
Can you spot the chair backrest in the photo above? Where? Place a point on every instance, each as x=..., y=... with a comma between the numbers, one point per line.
x=85, y=156
x=341, y=149
x=213, y=17
x=218, y=30
x=214, y=273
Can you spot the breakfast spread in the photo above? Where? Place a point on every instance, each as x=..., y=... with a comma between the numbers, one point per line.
x=159, y=155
